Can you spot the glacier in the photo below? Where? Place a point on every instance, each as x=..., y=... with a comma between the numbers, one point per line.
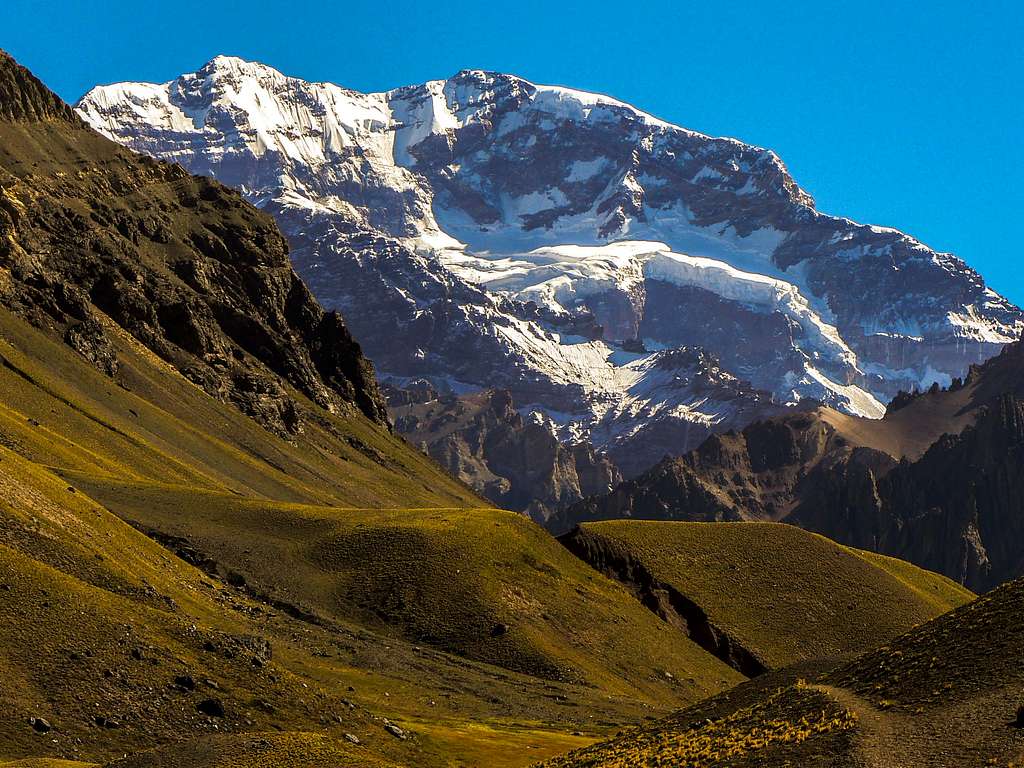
x=639, y=284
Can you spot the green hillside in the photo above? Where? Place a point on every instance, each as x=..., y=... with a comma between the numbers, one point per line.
x=944, y=694
x=208, y=529
x=775, y=591
x=215, y=552
x=79, y=448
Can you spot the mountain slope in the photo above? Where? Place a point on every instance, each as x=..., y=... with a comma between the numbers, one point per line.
x=764, y=595
x=484, y=231
x=482, y=439
x=185, y=390
x=937, y=696
x=213, y=548
x=937, y=481
x=181, y=263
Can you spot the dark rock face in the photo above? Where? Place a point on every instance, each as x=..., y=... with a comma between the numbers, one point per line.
x=211, y=707
x=958, y=510
x=750, y=475
x=758, y=347
x=956, y=506
x=94, y=239
x=411, y=311
x=484, y=441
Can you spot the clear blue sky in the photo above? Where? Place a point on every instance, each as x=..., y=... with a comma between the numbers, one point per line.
x=905, y=114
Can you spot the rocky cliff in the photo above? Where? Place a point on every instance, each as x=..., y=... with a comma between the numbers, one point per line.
x=95, y=240
x=516, y=461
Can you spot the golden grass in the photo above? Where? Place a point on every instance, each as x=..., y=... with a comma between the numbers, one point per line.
x=782, y=592
x=395, y=558
x=777, y=729
x=487, y=584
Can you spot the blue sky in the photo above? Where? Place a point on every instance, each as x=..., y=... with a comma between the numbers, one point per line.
x=905, y=114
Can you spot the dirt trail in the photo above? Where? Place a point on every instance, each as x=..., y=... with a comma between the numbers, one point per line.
x=954, y=737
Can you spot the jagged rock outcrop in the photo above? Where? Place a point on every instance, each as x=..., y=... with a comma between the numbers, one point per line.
x=94, y=238
x=956, y=510
x=749, y=475
x=516, y=462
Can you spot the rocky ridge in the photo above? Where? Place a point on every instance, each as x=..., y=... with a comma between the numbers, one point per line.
x=483, y=440
x=936, y=482
x=94, y=239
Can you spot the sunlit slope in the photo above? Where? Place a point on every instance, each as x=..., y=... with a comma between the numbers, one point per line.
x=946, y=693
x=778, y=592
x=150, y=424
x=101, y=625
x=487, y=584
x=115, y=643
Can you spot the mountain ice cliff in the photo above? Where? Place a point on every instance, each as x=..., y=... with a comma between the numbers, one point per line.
x=639, y=284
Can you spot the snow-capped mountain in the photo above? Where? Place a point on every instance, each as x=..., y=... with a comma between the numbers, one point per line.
x=638, y=283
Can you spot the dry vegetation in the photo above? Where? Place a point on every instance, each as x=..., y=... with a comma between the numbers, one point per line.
x=783, y=593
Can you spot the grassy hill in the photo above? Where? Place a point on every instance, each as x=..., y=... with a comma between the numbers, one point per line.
x=944, y=694
x=767, y=593
x=208, y=531
x=365, y=573
x=215, y=552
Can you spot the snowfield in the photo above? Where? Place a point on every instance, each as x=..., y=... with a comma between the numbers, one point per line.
x=616, y=272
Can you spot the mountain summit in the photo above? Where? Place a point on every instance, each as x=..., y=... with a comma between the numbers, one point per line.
x=638, y=284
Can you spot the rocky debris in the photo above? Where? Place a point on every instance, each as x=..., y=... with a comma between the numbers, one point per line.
x=185, y=682
x=395, y=731
x=265, y=706
x=211, y=707
x=351, y=738
x=257, y=650
x=482, y=439
x=88, y=339
x=499, y=630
